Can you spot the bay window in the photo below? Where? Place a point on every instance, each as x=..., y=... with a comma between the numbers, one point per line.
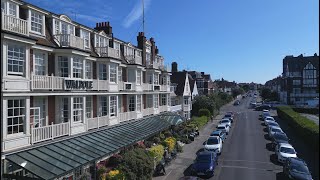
x=103, y=72
x=63, y=66
x=16, y=59
x=36, y=22
x=103, y=109
x=40, y=64
x=113, y=73
x=113, y=106
x=89, y=106
x=16, y=116
x=77, y=67
x=131, y=103
x=77, y=109
x=156, y=100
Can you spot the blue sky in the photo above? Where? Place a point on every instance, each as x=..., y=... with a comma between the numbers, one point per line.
x=244, y=41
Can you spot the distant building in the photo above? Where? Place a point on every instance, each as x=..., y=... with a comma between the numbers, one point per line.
x=300, y=79
x=226, y=86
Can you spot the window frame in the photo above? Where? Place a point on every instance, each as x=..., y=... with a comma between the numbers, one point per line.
x=77, y=66
x=15, y=9
x=113, y=106
x=45, y=63
x=39, y=22
x=17, y=59
x=20, y=114
x=86, y=37
x=131, y=104
x=139, y=104
x=163, y=99
x=103, y=109
x=89, y=106
x=155, y=101
x=63, y=71
x=88, y=69
x=139, y=77
x=103, y=74
x=77, y=107
x=113, y=73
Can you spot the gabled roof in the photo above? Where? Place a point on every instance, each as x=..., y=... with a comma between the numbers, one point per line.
x=179, y=78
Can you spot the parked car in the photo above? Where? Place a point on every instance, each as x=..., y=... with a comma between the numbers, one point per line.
x=220, y=134
x=265, y=114
x=296, y=168
x=274, y=129
x=279, y=138
x=262, y=107
x=205, y=163
x=268, y=119
x=213, y=144
x=271, y=124
x=237, y=102
x=224, y=128
x=284, y=151
x=225, y=121
x=228, y=116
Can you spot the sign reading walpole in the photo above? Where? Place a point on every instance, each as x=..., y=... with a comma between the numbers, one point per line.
x=77, y=84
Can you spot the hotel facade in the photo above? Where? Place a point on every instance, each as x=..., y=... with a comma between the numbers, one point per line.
x=62, y=79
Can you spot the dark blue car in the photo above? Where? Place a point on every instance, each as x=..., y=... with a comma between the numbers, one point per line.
x=220, y=134
x=205, y=163
x=296, y=168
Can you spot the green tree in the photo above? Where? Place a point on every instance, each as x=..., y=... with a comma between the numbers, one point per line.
x=265, y=93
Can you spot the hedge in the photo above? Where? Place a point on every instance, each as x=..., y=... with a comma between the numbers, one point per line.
x=199, y=121
x=306, y=128
x=204, y=112
x=307, y=110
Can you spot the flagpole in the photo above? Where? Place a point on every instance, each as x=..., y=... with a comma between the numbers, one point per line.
x=143, y=14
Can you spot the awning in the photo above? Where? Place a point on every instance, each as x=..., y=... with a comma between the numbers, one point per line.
x=59, y=158
x=173, y=118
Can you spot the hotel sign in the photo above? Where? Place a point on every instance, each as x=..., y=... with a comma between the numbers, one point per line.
x=70, y=84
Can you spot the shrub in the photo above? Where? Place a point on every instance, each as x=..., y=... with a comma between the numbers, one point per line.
x=101, y=172
x=157, y=152
x=115, y=160
x=148, y=144
x=307, y=110
x=170, y=143
x=179, y=148
x=137, y=164
x=204, y=112
x=199, y=121
x=162, y=137
x=306, y=128
x=156, y=140
x=167, y=134
x=114, y=175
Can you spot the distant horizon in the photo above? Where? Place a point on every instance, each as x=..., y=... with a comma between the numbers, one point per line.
x=241, y=41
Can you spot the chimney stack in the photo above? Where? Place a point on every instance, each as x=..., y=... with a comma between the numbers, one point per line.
x=142, y=45
x=174, y=67
x=104, y=26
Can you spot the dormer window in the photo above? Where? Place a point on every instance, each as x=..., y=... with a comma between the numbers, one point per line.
x=37, y=22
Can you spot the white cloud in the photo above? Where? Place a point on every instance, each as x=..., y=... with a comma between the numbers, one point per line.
x=136, y=13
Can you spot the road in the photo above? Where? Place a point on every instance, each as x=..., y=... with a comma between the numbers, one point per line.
x=246, y=153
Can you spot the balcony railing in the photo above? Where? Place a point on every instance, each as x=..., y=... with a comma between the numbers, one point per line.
x=69, y=40
x=97, y=122
x=47, y=82
x=175, y=108
x=13, y=24
x=100, y=85
x=125, y=116
x=147, y=87
x=52, y=131
x=134, y=59
x=147, y=111
x=108, y=52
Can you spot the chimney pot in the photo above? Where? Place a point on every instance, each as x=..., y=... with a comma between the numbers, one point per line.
x=97, y=24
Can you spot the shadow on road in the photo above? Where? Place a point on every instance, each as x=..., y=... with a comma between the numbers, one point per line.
x=262, y=124
x=266, y=136
x=273, y=159
x=281, y=176
x=188, y=172
x=265, y=129
x=269, y=147
x=199, y=151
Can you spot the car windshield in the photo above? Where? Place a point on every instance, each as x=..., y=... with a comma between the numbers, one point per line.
x=215, y=134
x=276, y=130
x=301, y=168
x=270, y=118
x=225, y=121
x=203, y=158
x=281, y=137
x=227, y=115
x=221, y=127
x=287, y=150
x=212, y=141
x=266, y=114
x=273, y=124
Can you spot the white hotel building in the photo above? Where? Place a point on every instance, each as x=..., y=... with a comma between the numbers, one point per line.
x=61, y=79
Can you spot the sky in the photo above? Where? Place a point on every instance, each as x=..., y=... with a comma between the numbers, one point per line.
x=242, y=41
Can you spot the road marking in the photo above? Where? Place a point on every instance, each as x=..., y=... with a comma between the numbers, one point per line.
x=242, y=167
x=167, y=174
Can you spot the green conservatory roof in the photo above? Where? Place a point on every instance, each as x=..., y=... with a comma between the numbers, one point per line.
x=59, y=158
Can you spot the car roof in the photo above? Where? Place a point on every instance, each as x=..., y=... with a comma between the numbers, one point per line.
x=225, y=119
x=287, y=145
x=222, y=125
x=205, y=153
x=216, y=131
x=297, y=160
x=213, y=137
x=275, y=127
x=265, y=110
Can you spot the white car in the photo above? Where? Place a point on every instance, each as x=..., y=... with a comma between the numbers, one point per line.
x=265, y=110
x=225, y=121
x=213, y=144
x=223, y=127
x=284, y=151
x=274, y=129
x=268, y=119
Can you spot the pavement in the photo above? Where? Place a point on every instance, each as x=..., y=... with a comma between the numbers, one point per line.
x=246, y=153
x=311, y=117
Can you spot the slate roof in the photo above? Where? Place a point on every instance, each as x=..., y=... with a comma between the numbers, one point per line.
x=179, y=78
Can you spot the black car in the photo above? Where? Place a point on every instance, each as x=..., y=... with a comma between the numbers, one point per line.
x=279, y=138
x=262, y=107
x=296, y=168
